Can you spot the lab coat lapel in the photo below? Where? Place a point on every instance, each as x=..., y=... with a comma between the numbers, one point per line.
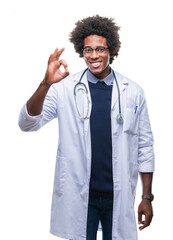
x=85, y=81
x=122, y=83
x=87, y=120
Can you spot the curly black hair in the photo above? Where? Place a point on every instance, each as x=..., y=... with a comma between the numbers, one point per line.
x=96, y=25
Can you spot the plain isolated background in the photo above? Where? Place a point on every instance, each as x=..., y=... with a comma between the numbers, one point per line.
x=30, y=31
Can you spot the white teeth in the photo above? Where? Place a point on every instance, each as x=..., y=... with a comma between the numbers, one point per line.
x=95, y=64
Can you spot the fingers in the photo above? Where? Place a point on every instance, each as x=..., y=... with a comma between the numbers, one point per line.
x=145, y=209
x=64, y=64
x=57, y=53
x=146, y=222
x=53, y=71
x=55, y=56
x=140, y=222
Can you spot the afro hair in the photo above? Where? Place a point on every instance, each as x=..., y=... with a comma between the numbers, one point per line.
x=96, y=25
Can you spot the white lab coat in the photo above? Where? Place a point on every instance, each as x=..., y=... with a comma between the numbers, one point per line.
x=132, y=152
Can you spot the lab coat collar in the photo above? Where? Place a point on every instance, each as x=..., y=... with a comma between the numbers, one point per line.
x=122, y=83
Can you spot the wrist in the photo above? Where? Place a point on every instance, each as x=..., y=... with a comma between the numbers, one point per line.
x=149, y=197
x=45, y=84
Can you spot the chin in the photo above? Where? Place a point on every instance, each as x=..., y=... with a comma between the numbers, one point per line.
x=100, y=72
x=95, y=71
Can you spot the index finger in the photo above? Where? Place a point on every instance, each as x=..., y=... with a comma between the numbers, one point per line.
x=57, y=53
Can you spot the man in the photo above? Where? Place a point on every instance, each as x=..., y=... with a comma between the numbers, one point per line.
x=105, y=139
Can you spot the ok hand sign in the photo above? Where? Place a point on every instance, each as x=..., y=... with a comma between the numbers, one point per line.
x=53, y=73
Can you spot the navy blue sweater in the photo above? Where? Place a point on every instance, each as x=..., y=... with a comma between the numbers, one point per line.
x=101, y=140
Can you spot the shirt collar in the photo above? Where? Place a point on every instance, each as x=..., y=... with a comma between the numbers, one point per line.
x=93, y=79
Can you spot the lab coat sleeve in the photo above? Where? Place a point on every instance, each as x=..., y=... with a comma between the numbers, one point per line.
x=33, y=123
x=145, y=143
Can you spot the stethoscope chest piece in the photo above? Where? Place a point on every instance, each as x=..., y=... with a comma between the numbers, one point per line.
x=119, y=118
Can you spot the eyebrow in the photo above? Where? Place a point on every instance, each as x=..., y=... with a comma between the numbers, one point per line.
x=95, y=47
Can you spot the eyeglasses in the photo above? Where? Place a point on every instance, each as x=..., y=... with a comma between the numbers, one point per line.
x=99, y=50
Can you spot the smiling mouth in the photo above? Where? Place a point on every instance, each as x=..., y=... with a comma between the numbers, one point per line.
x=95, y=64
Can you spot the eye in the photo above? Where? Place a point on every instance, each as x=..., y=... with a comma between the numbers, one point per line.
x=87, y=50
x=101, y=49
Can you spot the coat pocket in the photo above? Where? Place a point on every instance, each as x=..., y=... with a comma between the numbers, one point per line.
x=60, y=175
x=131, y=121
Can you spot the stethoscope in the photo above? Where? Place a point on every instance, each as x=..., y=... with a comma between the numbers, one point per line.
x=81, y=86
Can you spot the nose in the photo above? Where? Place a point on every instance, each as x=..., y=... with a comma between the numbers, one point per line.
x=94, y=54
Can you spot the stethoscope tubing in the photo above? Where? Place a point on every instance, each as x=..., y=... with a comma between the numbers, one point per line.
x=81, y=83
x=119, y=116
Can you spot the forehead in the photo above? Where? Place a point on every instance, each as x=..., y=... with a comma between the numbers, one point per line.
x=94, y=41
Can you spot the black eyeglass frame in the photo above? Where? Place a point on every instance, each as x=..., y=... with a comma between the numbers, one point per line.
x=99, y=50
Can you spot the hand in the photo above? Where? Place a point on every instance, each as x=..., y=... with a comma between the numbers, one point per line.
x=145, y=208
x=53, y=73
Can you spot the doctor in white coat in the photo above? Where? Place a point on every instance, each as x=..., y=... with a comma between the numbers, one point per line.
x=59, y=97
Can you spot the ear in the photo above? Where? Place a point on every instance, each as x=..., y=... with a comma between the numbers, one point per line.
x=111, y=58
